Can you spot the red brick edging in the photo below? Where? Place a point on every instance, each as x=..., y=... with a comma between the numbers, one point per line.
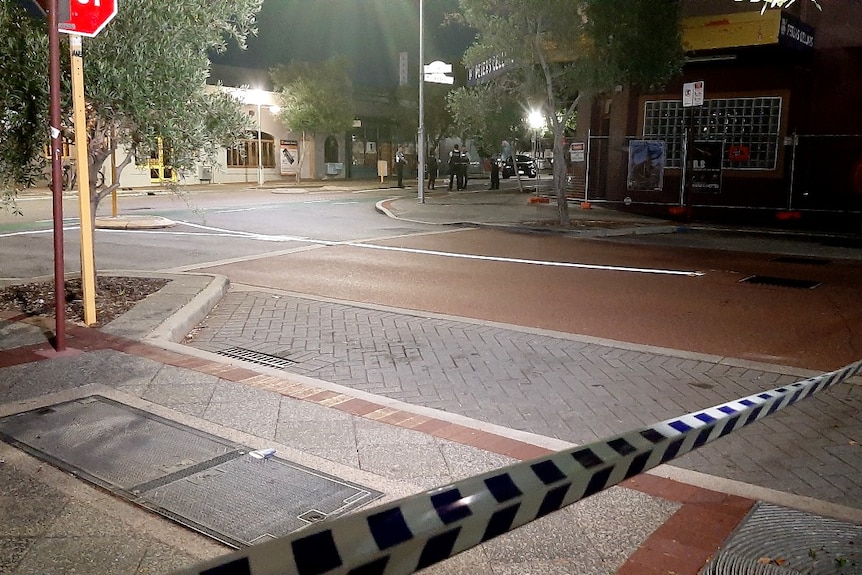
x=680, y=546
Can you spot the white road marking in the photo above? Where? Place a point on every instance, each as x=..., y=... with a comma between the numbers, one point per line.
x=531, y=262
x=219, y=232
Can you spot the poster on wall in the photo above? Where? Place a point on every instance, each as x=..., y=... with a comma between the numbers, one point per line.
x=289, y=154
x=706, y=160
x=646, y=165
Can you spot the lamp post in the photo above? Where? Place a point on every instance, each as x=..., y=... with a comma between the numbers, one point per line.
x=259, y=149
x=421, y=134
x=256, y=97
x=536, y=122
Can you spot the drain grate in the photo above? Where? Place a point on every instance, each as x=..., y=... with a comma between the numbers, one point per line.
x=780, y=282
x=199, y=480
x=801, y=260
x=775, y=540
x=257, y=357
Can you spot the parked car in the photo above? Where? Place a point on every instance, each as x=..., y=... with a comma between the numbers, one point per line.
x=526, y=166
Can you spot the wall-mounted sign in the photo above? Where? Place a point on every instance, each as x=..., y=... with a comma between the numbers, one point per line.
x=692, y=94
x=577, y=152
x=289, y=154
x=795, y=34
x=706, y=160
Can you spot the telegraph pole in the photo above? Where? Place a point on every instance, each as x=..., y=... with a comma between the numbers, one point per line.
x=421, y=148
x=56, y=175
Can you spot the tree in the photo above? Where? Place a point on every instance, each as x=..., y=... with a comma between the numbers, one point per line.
x=439, y=120
x=145, y=85
x=316, y=97
x=559, y=53
x=22, y=94
x=485, y=116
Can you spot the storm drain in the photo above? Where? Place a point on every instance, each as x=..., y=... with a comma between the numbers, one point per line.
x=224, y=490
x=780, y=282
x=257, y=357
x=775, y=540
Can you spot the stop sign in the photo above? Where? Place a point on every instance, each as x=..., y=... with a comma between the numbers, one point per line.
x=88, y=17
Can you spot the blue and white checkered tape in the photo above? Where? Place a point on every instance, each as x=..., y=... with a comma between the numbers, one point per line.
x=410, y=534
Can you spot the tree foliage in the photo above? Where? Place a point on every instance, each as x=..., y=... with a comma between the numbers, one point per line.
x=559, y=53
x=144, y=81
x=316, y=97
x=486, y=116
x=22, y=97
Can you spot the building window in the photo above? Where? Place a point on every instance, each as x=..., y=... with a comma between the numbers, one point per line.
x=244, y=154
x=752, y=125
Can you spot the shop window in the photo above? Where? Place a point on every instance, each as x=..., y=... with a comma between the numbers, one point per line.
x=244, y=154
x=749, y=124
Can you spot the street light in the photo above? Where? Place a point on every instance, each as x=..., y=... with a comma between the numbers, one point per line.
x=256, y=97
x=536, y=121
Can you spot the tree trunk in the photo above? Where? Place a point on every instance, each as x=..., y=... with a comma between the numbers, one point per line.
x=560, y=179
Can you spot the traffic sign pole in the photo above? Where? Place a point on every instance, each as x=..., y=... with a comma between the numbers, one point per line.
x=56, y=178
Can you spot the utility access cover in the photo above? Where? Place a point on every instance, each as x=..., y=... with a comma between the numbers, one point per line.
x=774, y=540
x=197, y=479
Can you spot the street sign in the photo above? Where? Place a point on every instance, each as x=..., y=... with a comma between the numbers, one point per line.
x=692, y=94
x=436, y=72
x=88, y=17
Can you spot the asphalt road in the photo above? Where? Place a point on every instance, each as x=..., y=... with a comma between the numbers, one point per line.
x=336, y=245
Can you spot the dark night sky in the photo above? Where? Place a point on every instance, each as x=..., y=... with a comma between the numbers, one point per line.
x=370, y=33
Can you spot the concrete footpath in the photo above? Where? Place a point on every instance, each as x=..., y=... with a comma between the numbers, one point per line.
x=175, y=358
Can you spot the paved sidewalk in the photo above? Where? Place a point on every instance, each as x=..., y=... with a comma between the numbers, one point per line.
x=381, y=410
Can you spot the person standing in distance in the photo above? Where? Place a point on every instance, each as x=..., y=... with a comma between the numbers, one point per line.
x=432, y=170
x=495, y=173
x=454, y=160
x=463, y=164
x=399, y=166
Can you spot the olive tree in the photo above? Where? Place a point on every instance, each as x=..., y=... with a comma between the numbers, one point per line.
x=144, y=81
x=316, y=98
x=557, y=54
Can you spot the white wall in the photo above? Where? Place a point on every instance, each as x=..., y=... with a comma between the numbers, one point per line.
x=312, y=166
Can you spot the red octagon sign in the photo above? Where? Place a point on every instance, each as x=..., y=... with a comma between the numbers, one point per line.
x=88, y=17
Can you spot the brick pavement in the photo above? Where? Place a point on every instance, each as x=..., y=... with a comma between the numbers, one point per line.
x=572, y=388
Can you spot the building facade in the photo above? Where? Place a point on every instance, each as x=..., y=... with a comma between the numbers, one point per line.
x=270, y=152
x=763, y=123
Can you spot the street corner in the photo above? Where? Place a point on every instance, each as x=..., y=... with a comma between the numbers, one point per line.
x=385, y=207
x=133, y=222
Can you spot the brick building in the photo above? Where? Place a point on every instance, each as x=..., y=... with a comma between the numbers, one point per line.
x=778, y=133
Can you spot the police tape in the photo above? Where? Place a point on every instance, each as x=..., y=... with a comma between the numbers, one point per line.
x=417, y=531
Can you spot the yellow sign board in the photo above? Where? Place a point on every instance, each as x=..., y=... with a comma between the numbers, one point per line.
x=730, y=30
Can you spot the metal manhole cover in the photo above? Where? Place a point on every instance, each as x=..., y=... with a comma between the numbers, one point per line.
x=257, y=357
x=780, y=282
x=775, y=540
x=199, y=480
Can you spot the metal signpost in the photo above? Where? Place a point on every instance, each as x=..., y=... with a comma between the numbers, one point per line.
x=692, y=95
